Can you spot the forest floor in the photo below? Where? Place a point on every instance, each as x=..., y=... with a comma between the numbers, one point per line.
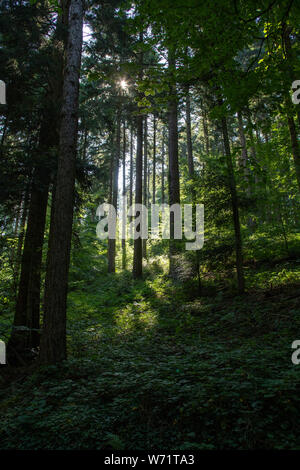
x=153, y=365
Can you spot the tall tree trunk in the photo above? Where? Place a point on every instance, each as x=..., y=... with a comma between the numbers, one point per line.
x=137, y=270
x=189, y=133
x=138, y=248
x=205, y=132
x=131, y=169
x=163, y=167
x=191, y=171
x=154, y=161
x=292, y=60
x=243, y=160
x=28, y=300
x=174, y=188
x=53, y=341
x=25, y=334
x=25, y=204
x=235, y=209
x=124, y=194
x=251, y=136
x=295, y=147
x=115, y=188
x=145, y=187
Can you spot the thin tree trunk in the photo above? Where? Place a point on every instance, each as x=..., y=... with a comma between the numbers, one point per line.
x=174, y=188
x=189, y=133
x=244, y=157
x=163, y=168
x=243, y=160
x=138, y=248
x=137, y=271
x=25, y=205
x=292, y=61
x=53, y=341
x=205, y=132
x=235, y=209
x=251, y=136
x=25, y=334
x=131, y=170
x=115, y=188
x=28, y=300
x=295, y=147
x=191, y=169
x=154, y=161
x=124, y=194
x=145, y=187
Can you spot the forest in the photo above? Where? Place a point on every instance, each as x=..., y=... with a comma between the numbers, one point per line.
x=116, y=336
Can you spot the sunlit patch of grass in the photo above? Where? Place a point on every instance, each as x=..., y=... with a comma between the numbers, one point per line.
x=275, y=276
x=136, y=316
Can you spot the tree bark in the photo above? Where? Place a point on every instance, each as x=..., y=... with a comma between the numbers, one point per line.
x=124, y=194
x=145, y=186
x=154, y=162
x=137, y=270
x=25, y=334
x=189, y=133
x=131, y=170
x=25, y=205
x=174, y=189
x=53, y=341
x=292, y=59
x=244, y=157
x=295, y=147
x=163, y=168
x=235, y=209
x=114, y=197
x=138, y=253
x=205, y=132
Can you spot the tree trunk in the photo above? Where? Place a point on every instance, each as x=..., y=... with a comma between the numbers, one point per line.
x=251, y=137
x=295, y=147
x=114, y=197
x=138, y=254
x=205, y=132
x=163, y=168
x=189, y=133
x=137, y=270
x=53, y=341
x=124, y=194
x=25, y=334
x=145, y=187
x=235, y=209
x=174, y=189
x=25, y=204
x=243, y=160
x=154, y=162
x=131, y=170
x=292, y=61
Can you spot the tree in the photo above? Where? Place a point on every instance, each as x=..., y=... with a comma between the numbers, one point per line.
x=235, y=209
x=53, y=341
x=174, y=192
x=124, y=195
x=145, y=174
x=154, y=161
x=138, y=247
x=114, y=190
